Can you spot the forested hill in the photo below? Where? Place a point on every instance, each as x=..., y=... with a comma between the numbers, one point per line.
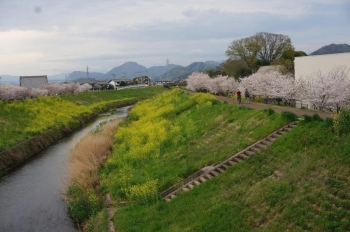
x=332, y=48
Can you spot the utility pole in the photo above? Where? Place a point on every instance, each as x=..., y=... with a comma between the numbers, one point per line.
x=87, y=72
x=167, y=69
x=0, y=80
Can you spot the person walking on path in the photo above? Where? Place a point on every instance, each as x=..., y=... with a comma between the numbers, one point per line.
x=247, y=96
x=239, y=97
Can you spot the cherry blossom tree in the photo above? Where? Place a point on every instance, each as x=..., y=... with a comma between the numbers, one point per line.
x=198, y=82
x=33, y=92
x=220, y=85
x=83, y=88
x=54, y=89
x=326, y=91
x=229, y=85
x=270, y=84
x=11, y=92
x=70, y=87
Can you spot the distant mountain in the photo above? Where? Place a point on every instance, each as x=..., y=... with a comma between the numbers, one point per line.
x=57, y=78
x=128, y=70
x=213, y=63
x=157, y=71
x=331, y=49
x=131, y=70
x=183, y=73
x=8, y=79
x=175, y=74
x=79, y=75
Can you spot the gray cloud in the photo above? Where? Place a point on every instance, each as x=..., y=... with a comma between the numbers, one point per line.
x=63, y=35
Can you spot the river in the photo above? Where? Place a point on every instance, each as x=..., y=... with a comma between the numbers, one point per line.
x=31, y=197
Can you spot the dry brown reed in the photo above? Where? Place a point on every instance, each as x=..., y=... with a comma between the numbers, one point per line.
x=89, y=153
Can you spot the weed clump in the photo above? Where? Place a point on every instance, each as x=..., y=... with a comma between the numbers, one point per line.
x=313, y=118
x=342, y=122
x=83, y=203
x=269, y=111
x=289, y=116
x=84, y=196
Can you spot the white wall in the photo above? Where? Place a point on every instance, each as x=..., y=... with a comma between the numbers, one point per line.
x=305, y=66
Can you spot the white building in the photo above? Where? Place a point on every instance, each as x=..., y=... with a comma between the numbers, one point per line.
x=117, y=82
x=306, y=66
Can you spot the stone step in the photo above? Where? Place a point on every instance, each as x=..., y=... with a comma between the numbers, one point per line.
x=244, y=156
x=191, y=186
x=265, y=142
x=233, y=160
x=219, y=169
x=271, y=139
x=260, y=145
x=236, y=159
x=196, y=182
x=248, y=153
x=214, y=173
x=208, y=176
x=230, y=162
x=224, y=166
x=275, y=135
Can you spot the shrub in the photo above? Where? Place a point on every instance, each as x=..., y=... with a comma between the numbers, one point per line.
x=269, y=111
x=342, y=121
x=97, y=223
x=307, y=118
x=289, y=116
x=317, y=117
x=83, y=203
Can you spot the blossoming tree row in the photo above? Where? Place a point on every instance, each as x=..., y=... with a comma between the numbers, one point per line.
x=324, y=91
x=10, y=92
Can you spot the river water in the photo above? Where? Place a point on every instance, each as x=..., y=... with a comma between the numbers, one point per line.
x=31, y=197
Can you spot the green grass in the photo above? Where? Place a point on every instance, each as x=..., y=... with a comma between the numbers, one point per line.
x=20, y=120
x=192, y=133
x=299, y=183
x=198, y=131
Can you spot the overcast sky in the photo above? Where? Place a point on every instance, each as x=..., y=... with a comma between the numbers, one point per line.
x=39, y=37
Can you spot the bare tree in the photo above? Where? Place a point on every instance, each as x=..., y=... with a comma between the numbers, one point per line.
x=262, y=46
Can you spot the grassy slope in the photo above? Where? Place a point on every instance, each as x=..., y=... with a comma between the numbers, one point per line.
x=299, y=183
x=20, y=120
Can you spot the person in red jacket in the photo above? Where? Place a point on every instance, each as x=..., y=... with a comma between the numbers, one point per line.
x=239, y=96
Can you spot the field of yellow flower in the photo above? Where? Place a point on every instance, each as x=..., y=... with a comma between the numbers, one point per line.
x=20, y=120
x=169, y=137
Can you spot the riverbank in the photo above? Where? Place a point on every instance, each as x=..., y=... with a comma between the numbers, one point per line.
x=31, y=196
x=299, y=182
x=19, y=153
x=29, y=126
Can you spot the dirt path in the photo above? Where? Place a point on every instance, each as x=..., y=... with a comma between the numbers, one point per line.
x=277, y=108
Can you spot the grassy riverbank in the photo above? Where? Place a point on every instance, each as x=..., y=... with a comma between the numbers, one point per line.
x=301, y=182
x=25, y=119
